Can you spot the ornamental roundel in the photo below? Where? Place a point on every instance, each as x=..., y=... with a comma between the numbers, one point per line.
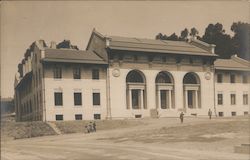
x=207, y=75
x=116, y=72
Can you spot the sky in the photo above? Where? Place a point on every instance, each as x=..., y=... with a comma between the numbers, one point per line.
x=23, y=22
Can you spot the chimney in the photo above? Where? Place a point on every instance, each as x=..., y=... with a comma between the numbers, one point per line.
x=53, y=44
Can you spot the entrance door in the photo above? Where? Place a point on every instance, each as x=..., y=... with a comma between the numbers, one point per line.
x=163, y=99
x=190, y=99
x=135, y=98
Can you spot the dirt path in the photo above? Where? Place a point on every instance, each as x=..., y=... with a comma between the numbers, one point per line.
x=103, y=145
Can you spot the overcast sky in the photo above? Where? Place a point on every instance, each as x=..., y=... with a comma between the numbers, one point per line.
x=24, y=22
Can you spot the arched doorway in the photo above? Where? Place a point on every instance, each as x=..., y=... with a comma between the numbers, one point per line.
x=164, y=90
x=136, y=90
x=191, y=87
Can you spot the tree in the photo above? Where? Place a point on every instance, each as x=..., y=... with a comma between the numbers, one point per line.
x=184, y=34
x=241, y=39
x=215, y=34
x=194, y=32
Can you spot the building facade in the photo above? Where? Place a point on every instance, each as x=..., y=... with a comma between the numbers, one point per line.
x=119, y=77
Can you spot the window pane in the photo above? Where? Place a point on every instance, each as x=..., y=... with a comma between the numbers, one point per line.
x=97, y=116
x=78, y=99
x=59, y=117
x=58, y=99
x=57, y=72
x=95, y=74
x=232, y=78
x=220, y=99
x=245, y=99
x=219, y=78
x=77, y=73
x=78, y=117
x=244, y=79
x=233, y=99
x=96, y=98
x=163, y=99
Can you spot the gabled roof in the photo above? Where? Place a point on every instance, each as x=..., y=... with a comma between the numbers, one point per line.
x=157, y=46
x=72, y=56
x=235, y=63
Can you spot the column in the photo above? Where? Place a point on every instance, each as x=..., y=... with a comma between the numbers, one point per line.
x=142, y=97
x=196, y=99
x=186, y=99
x=159, y=98
x=130, y=98
x=170, y=99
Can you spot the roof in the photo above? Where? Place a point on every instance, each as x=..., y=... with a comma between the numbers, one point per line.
x=159, y=46
x=72, y=56
x=235, y=63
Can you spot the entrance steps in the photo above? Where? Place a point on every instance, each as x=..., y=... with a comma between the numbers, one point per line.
x=54, y=127
x=243, y=148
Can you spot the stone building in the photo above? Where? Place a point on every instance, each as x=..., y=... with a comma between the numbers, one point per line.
x=119, y=77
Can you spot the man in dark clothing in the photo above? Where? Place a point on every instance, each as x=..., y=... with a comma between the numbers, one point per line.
x=181, y=117
x=94, y=127
x=209, y=113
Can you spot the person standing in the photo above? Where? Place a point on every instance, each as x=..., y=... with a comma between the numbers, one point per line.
x=94, y=127
x=210, y=113
x=181, y=117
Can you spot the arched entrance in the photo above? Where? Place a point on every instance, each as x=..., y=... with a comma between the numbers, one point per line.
x=164, y=90
x=191, y=87
x=136, y=92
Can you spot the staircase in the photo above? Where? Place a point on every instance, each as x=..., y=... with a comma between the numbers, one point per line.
x=53, y=126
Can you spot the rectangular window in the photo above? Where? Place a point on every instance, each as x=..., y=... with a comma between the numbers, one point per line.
x=59, y=117
x=246, y=113
x=96, y=99
x=232, y=78
x=233, y=99
x=244, y=79
x=220, y=99
x=58, y=97
x=57, y=72
x=97, y=116
x=78, y=116
x=77, y=73
x=219, y=78
x=233, y=113
x=163, y=99
x=78, y=99
x=221, y=114
x=245, y=99
x=95, y=74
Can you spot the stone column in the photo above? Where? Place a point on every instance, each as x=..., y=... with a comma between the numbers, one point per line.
x=196, y=99
x=159, y=99
x=130, y=98
x=170, y=99
x=186, y=99
x=142, y=99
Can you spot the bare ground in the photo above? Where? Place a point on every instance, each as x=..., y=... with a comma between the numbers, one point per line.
x=155, y=139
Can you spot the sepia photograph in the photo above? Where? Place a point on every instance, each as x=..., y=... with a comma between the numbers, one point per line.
x=125, y=80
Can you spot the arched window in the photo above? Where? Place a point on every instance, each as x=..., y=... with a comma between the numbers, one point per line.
x=136, y=90
x=191, y=88
x=164, y=90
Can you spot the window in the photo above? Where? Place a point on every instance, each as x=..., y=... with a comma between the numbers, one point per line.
x=245, y=99
x=138, y=116
x=97, y=116
x=220, y=99
x=78, y=99
x=57, y=72
x=96, y=98
x=232, y=78
x=221, y=114
x=244, y=79
x=219, y=78
x=246, y=113
x=95, y=74
x=77, y=73
x=58, y=98
x=233, y=113
x=78, y=116
x=233, y=99
x=59, y=117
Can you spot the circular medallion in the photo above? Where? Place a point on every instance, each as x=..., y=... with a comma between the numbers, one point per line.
x=116, y=72
x=207, y=75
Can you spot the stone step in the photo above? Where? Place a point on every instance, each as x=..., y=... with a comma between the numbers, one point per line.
x=243, y=148
x=54, y=127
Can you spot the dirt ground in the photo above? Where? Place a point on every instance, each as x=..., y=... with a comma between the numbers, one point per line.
x=155, y=139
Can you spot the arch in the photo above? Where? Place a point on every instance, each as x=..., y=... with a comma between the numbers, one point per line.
x=164, y=77
x=135, y=76
x=191, y=78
